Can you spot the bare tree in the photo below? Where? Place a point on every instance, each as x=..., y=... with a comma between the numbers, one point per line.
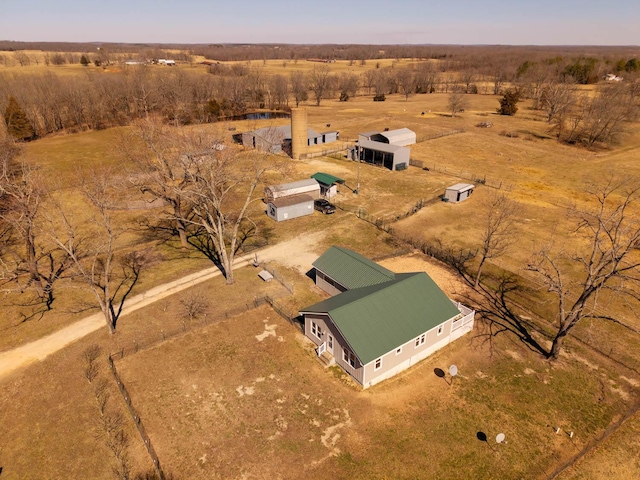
x=347, y=85
x=598, y=118
x=224, y=181
x=278, y=91
x=457, y=102
x=23, y=59
x=193, y=306
x=557, y=98
x=606, y=258
x=33, y=263
x=162, y=169
x=468, y=76
x=499, y=233
x=320, y=82
x=299, y=87
x=109, y=274
x=369, y=80
x=406, y=81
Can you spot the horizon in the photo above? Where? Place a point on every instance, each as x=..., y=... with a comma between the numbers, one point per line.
x=569, y=23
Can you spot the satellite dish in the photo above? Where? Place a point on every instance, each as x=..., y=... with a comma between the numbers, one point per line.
x=453, y=370
x=500, y=438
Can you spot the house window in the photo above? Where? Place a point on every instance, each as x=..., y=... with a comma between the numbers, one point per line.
x=398, y=350
x=348, y=357
x=378, y=364
x=316, y=330
x=420, y=340
x=440, y=328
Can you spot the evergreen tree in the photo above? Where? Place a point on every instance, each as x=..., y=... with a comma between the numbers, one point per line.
x=632, y=65
x=509, y=103
x=84, y=61
x=18, y=125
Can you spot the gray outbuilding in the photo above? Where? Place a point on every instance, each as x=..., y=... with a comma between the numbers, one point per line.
x=293, y=206
x=458, y=192
x=393, y=157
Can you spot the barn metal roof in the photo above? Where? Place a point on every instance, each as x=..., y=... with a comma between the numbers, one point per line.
x=377, y=319
x=379, y=146
x=350, y=269
x=291, y=200
x=400, y=136
x=326, y=179
x=282, y=132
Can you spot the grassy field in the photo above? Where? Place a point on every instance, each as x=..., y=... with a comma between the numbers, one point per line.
x=252, y=384
x=212, y=395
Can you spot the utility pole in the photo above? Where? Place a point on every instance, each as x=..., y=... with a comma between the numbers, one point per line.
x=358, y=179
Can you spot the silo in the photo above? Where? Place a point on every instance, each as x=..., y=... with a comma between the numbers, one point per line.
x=298, y=132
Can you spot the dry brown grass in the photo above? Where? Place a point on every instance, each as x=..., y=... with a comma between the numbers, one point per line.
x=227, y=390
x=393, y=424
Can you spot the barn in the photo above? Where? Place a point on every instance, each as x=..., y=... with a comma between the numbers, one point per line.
x=387, y=149
x=458, y=192
x=287, y=208
x=278, y=139
x=393, y=157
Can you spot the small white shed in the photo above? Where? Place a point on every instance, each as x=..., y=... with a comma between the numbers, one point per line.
x=458, y=192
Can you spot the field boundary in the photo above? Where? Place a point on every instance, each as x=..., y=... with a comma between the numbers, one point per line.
x=595, y=442
x=258, y=302
x=136, y=419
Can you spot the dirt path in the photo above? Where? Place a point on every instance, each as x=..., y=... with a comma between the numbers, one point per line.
x=294, y=253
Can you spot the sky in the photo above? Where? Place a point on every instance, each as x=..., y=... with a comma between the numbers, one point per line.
x=512, y=22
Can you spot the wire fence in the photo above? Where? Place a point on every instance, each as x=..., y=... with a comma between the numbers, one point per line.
x=384, y=222
x=342, y=147
x=278, y=277
x=424, y=138
x=187, y=325
x=136, y=420
x=478, y=178
x=281, y=310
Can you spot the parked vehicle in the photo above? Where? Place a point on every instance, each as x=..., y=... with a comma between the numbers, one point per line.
x=324, y=206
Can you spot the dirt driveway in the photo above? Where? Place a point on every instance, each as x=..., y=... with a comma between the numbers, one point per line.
x=296, y=253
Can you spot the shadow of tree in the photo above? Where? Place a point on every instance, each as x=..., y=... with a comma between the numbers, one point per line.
x=497, y=315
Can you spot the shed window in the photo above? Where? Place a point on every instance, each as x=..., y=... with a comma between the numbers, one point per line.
x=349, y=357
x=440, y=328
x=420, y=340
x=378, y=364
x=398, y=350
x=316, y=330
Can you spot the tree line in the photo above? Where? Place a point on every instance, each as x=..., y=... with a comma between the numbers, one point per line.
x=37, y=105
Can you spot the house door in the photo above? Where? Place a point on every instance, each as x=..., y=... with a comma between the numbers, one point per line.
x=330, y=344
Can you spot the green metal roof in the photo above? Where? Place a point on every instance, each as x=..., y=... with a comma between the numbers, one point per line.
x=351, y=269
x=377, y=319
x=326, y=178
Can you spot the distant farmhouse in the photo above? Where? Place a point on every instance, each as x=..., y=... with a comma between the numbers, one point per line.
x=378, y=323
x=612, y=77
x=387, y=149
